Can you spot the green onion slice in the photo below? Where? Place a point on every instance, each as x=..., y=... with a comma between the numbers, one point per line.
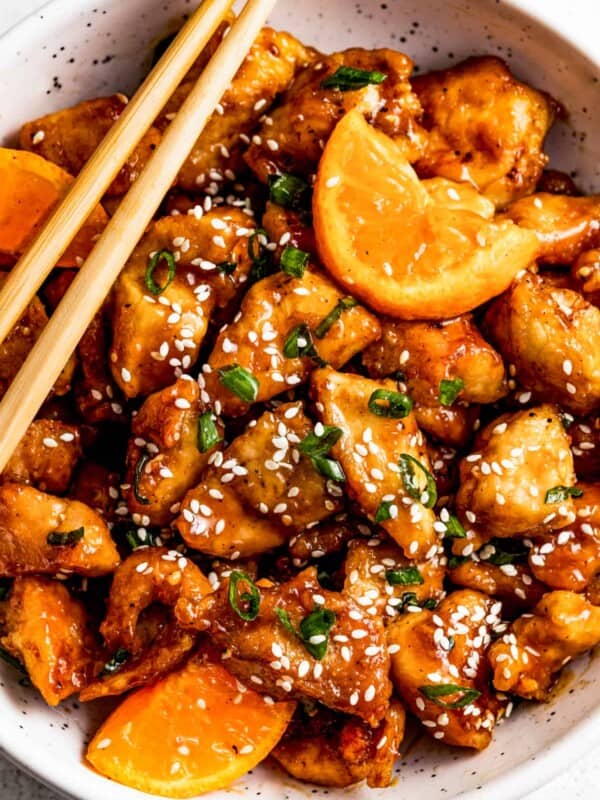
x=315, y=444
x=329, y=468
x=342, y=305
x=137, y=476
x=151, y=284
x=240, y=381
x=408, y=576
x=449, y=391
x=208, y=433
x=293, y=261
x=116, y=662
x=285, y=620
x=314, y=631
x=383, y=512
x=227, y=267
x=385, y=403
x=288, y=191
x=435, y=692
x=410, y=599
x=412, y=485
x=67, y=538
x=558, y=494
x=259, y=254
x=349, y=78
x=250, y=600
x=503, y=551
x=454, y=528
x=299, y=344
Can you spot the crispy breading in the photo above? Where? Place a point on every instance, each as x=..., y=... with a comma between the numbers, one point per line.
x=46, y=456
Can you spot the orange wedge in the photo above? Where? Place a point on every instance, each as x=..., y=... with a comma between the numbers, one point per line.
x=192, y=732
x=31, y=188
x=403, y=250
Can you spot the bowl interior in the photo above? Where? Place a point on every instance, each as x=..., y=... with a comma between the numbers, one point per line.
x=60, y=56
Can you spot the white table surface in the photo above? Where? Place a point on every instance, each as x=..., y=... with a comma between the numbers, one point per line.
x=580, y=782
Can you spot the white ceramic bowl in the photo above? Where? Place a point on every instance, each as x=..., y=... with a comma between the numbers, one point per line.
x=75, y=50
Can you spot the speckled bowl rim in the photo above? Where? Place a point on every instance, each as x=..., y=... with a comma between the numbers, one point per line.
x=569, y=747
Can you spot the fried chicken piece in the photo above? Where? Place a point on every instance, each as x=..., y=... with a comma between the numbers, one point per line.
x=17, y=346
x=485, y=127
x=293, y=136
x=383, y=581
x=332, y=750
x=565, y=226
x=552, y=337
x=48, y=631
x=518, y=458
x=261, y=471
x=321, y=540
x=267, y=70
x=157, y=336
x=46, y=456
x=570, y=558
x=440, y=671
x=69, y=137
x=97, y=487
x=352, y=674
x=164, y=456
x=281, y=222
x=373, y=451
x=513, y=584
x=526, y=660
x=149, y=575
x=585, y=274
x=273, y=311
x=33, y=525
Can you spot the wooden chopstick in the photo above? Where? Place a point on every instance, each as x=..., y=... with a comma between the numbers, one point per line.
x=33, y=268
x=94, y=280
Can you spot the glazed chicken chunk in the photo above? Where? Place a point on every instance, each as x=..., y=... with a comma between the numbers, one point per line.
x=440, y=671
x=384, y=458
x=298, y=640
x=485, y=127
x=527, y=659
x=551, y=336
x=520, y=476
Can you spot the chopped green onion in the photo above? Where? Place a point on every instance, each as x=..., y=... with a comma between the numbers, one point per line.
x=208, y=433
x=250, y=600
x=407, y=464
x=566, y=419
x=228, y=267
x=315, y=444
x=503, y=551
x=299, y=344
x=436, y=691
x=137, y=476
x=449, y=391
x=66, y=539
x=239, y=381
x=293, y=261
x=383, y=512
x=408, y=576
x=349, y=78
x=260, y=256
x=454, y=528
x=410, y=599
x=314, y=631
x=288, y=191
x=285, y=620
x=329, y=468
x=385, y=403
x=168, y=258
x=456, y=561
x=134, y=540
x=559, y=494
x=342, y=305
x=116, y=662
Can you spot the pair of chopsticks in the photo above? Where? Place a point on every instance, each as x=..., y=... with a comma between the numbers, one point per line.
x=95, y=278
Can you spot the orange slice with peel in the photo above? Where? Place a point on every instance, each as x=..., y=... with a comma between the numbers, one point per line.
x=401, y=249
x=195, y=731
x=31, y=189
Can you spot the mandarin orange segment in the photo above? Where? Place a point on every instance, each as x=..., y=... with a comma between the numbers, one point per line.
x=403, y=250
x=31, y=188
x=195, y=731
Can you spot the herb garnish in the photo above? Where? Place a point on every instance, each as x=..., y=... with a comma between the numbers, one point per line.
x=350, y=78
x=558, y=494
x=342, y=305
x=240, y=381
x=299, y=344
x=168, y=258
x=116, y=662
x=449, y=391
x=288, y=191
x=427, y=496
x=436, y=691
x=385, y=403
x=250, y=600
x=208, y=433
x=454, y=528
x=383, y=512
x=259, y=254
x=406, y=576
x=313, y=631
x=67, y=538
x=316, y=446
x=293, y=261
